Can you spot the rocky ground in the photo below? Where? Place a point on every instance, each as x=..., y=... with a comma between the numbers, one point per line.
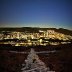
x=59, y=61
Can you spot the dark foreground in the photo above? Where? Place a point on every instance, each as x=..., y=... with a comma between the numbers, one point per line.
x=59, y=61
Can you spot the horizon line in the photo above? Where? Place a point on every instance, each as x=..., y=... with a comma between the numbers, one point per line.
x=35, y=27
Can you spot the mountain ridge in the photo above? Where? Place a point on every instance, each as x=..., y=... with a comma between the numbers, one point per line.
x=36, y=29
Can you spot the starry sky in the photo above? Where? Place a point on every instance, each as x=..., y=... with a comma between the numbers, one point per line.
x=36, y=13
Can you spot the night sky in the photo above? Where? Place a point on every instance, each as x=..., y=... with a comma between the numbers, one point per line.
x=36, y=13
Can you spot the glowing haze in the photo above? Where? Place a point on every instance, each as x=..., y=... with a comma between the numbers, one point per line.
x=36, y=13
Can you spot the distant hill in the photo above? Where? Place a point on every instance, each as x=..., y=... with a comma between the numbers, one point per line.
x=36, y=29
x=64, y=31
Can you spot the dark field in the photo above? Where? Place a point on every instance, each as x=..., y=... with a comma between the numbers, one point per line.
x=60, y=61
